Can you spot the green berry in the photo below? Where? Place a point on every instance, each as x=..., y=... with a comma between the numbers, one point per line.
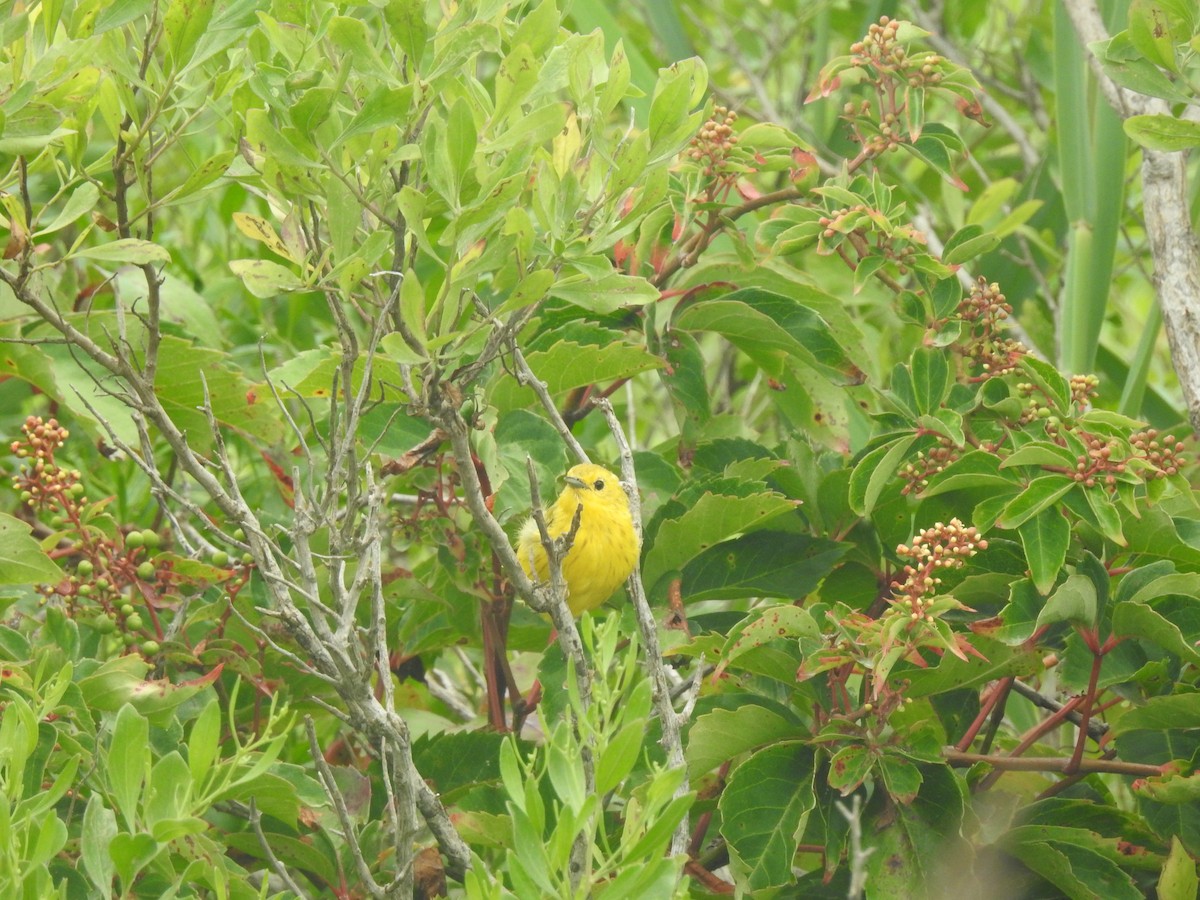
x=104, y=625
x=247, y=559
x=84, y=590
x=134, y=622
x=239, y=535
x=220, y=559
x=134, y=539
x=152, y=539
x=129, y=638
x=77, y=490
x=146, y=571
x=127, y=609
x=149, y=648
x=102, y=584
x=85, y=568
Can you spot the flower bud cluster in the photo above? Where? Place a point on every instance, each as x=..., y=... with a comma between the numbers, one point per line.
x=984, y=310
x=916, y=474
x=936, y=549
x=715, y=140
x=44, y=486
x=1160, y=450
x=1084, y=388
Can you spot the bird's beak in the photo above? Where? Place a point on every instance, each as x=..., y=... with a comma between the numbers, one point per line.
x=574, y=482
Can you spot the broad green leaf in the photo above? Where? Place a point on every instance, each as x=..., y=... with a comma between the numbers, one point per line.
x=967, y=243
x=1052, y=383
x=127, y=250
x=1164, y=133
x=875, y=470
x=82, y=200
x=763, y=809
x=203, y=743
x=1137, y=620
x=1178, y=880
x=1151, y=33
x=1074, y=601
x=516, y=77
x=129, y=762
x=930, y=378
x=259, y=229
x=606, y=294
x=973, y=470
x=184, y=23
x=711, y=519
x=762, y=564
x=566, y=365
x=461, y=139
x=769, y=327
x=849, y=767
x=723, y=734
x=1038, y=495
x=99, y=828
x=1076, y=871
x=22, y=560
x=406, y=23
x=1039, y=453
x=1165, y=713
x=764, y=626
x=1046, y=538
x=131, y=853
x=264, y=278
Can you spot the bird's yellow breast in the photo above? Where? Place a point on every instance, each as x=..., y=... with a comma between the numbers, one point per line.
x=605, y=548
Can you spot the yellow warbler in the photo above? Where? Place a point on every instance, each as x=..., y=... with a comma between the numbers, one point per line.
x=605, y=549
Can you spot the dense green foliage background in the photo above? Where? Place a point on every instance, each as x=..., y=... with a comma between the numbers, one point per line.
x=298, y=302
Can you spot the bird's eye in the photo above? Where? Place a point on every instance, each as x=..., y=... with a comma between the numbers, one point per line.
x=598, y=484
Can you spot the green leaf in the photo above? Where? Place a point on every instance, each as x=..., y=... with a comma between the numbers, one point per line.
x=1079, y=872
x=763, y=809
x=22, y=560
x=977, y=469
x=566, y=365
x=1052, y=383
x=203, y=743
x=1151, y=33
x=1046, y=538
x=406, y=24
x=1075, y=602
x=931, y=379
x=873, y=472
x=127, y=250
x=461, y=139
x=1038, y=495
x=619, y=757
x=762, y=564
x=1137, y=620
x=1165, y=713
x=1178, y=880
x=764, y=626
x=99, y=828
x=1162, y=132
x=184, y=23
x=265, y=279
x=770, y=327
x=849, y=767
x=128, y=762
x=131, y=853
x=1040, y=453
x=967, y=243
x=711, y=519
x=82, y=200
x=724, y=734
x=607, y=293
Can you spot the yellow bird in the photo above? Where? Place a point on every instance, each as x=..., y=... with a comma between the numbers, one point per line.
x=605, y=549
